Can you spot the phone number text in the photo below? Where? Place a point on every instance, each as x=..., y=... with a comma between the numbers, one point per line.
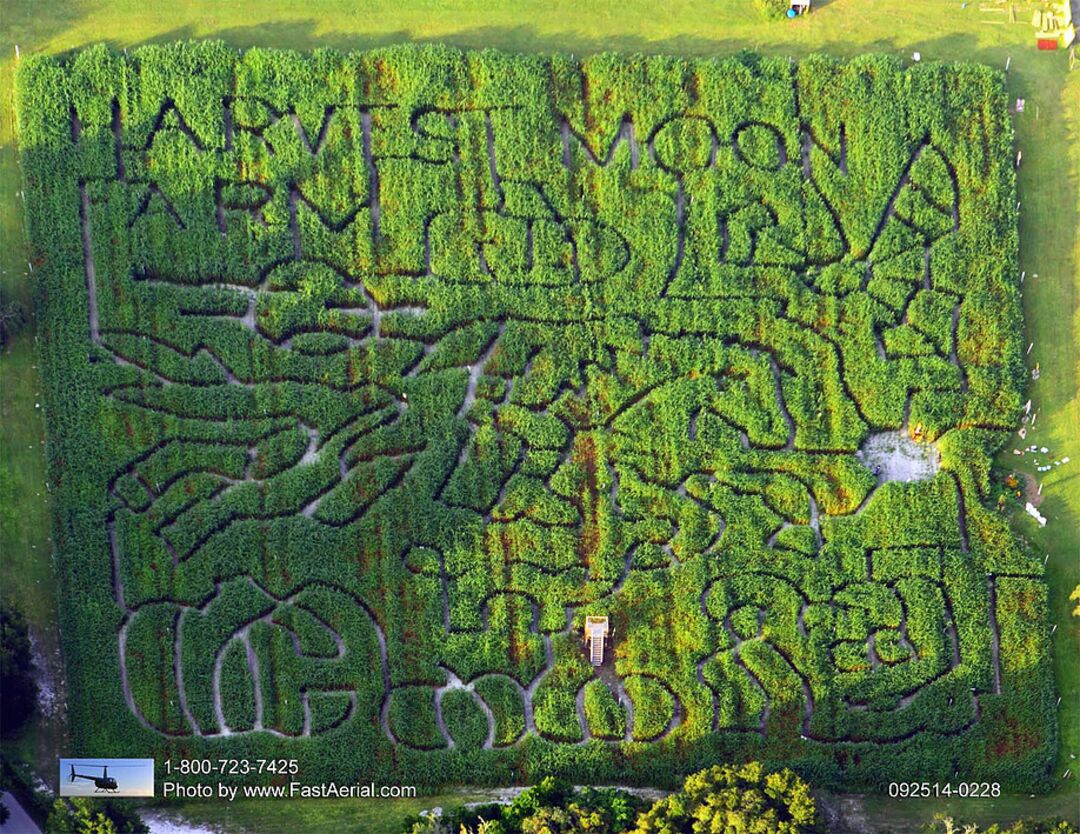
x=231, y=767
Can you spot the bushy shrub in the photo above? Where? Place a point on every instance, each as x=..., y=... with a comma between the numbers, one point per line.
x=730, y=798
x=771, y=9
x=18, y=691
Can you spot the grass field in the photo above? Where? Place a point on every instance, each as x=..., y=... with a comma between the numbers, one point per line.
x=346, y=816
x=939, y=29
x=909, y=816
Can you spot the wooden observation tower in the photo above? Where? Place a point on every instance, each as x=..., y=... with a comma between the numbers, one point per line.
x=596, y=632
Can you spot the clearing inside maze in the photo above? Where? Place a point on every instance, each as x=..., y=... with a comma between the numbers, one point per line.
x=372, y=375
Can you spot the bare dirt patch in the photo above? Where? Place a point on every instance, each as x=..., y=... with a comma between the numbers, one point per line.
x=894, y=456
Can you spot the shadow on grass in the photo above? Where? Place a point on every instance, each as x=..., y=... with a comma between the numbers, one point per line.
x=26, y=23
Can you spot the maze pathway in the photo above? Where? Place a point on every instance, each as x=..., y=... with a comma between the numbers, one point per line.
x=372, y=375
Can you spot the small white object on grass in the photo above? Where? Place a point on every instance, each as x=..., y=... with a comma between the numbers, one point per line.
x=1032, y=511
x=1044, y=450
x=916, y=56
x=1029, y=351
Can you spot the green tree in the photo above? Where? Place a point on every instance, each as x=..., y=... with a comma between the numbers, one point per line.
x=943, y=824
x=125, y=818
x=483, y=827
x=78, y=817
x=18, y=692
x=549, y=807
x=573, y=819
x=547, y=793
x=85, y=816
x=729, y=799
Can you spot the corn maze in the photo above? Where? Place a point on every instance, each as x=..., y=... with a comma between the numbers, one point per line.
x=370, y=376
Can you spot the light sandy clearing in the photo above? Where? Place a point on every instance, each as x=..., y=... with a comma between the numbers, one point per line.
x=894, y=456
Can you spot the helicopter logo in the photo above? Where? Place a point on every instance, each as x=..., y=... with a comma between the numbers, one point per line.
x=102, y=784
x=77, y=776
